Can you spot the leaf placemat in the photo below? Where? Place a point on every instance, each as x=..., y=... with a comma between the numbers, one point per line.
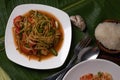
x=93, y=11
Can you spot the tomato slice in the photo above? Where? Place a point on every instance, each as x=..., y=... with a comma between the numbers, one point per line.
x=30, y=20
x=17, y=30
x=25, y=50
x=87, y=77
x=17, y=21
x=31, y=43
x=53, y=22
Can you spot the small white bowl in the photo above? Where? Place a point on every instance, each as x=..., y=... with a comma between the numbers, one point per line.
x=20, y=59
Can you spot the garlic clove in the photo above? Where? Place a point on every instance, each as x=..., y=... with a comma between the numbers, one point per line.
x=78, y=21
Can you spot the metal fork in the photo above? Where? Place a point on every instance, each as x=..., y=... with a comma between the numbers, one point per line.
x=82, y=44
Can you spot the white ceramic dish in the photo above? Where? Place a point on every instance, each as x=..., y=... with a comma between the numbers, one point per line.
x=93, y=66
x=51, y=63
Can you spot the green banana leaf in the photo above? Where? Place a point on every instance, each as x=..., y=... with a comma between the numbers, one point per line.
x=93, y=11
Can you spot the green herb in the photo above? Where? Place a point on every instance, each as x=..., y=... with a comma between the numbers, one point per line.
x=27, y=45
x=40, y=30
x=99, y=74
x=54, y=52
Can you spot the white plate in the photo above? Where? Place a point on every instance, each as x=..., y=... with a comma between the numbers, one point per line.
x=93, y=66
x=51, y=63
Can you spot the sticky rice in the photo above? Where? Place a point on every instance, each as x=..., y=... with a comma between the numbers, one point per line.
x=108, y=34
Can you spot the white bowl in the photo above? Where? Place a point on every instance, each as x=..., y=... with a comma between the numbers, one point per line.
x=51, y=63
x=93, y=66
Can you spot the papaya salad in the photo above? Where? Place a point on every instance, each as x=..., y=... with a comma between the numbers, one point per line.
x=37, y=33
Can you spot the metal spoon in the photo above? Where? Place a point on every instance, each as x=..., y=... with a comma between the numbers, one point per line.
x=88, y=53
x=85, y=54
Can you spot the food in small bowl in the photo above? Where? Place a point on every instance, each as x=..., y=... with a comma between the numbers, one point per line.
x=98, y=76
x=107, y=35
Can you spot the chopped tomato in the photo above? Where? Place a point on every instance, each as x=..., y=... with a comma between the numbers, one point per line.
x=17, y=21
x=53, y=22
x=87, y=77
x=31, y=43
x=30, y=20
x=23, y=36
x=25, y=50
x=17, y=30
x=34, y=51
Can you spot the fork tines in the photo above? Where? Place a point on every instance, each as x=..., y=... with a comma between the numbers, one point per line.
x=83, y=43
